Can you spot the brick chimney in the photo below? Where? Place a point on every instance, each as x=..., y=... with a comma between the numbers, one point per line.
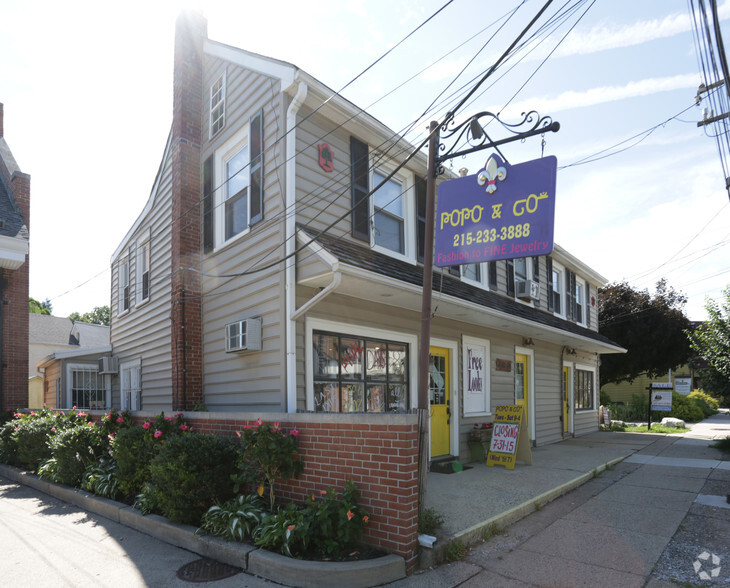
x=187, y=338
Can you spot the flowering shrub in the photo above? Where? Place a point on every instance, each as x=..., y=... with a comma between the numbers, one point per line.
x=268, y=453
x=133, y=449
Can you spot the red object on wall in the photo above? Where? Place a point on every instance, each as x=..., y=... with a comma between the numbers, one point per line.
x=326, y=157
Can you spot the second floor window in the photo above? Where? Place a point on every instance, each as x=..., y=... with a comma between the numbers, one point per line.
x=387, y=217
x=124, y=289
x=217, y=105
x=143, y=269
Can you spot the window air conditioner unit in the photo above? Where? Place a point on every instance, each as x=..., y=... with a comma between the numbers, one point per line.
x=108, y=365
x=527, y=290
x=243, y=335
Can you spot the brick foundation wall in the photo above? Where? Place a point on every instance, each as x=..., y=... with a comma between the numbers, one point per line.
x=377, y=452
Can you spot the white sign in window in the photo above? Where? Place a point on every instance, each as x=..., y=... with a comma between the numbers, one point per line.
x=476, y=361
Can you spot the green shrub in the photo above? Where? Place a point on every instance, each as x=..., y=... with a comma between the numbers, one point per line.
x=8, y=444
x=31, y=436
x=101, y=478
x=683, y=407
x=237, y=519
x=6, y=416
x=73, y=449
x=191, y=472
x=134, y=446
x=707, y=403
x=133, y=450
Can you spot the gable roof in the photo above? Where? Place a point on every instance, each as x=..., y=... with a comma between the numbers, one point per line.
x=48, y=329
x=90, y=335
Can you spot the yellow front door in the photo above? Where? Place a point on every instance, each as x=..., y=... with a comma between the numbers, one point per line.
x=566, y=384
x=440, y=398
x=522, y=395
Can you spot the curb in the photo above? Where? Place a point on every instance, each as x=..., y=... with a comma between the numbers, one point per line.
x=266, y=564
x=473, y=535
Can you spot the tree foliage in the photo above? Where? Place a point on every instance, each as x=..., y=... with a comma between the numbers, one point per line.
x=98, y=316
x=651, y=327
x=711, y=341
x=37, y=307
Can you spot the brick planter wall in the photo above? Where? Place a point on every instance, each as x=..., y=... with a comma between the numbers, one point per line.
x=377, y=452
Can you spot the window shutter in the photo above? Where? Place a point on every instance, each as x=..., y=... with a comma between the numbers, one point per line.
x=359, y=172
x=588, y=305
x=257, y=167
x=570, y=310
x=549, y=283
x=536, y=268
x=510, y=277
x=493, y=274
x=208, y=205
x=420, y=216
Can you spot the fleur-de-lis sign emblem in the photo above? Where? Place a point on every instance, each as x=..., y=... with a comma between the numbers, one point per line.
x=490, y=174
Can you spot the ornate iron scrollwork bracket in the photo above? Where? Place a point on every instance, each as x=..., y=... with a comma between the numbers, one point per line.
x=472, y=132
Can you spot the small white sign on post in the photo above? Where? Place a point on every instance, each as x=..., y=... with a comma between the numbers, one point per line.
x=661, y=396
x=683, y=386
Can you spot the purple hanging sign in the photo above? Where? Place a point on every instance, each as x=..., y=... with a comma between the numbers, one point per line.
x=503, y=212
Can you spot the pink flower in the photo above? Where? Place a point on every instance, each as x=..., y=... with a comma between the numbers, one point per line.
x=185, y=428
x=246, y=427
x=365, y=519
x=91, y=423
x=259, y=422
x=74, y=407
x=120, y=420
x=192, y=429
x=82, y=415
x=111, y=436
x=323, y=492
x=276, y=427
x=312, y=497
x=350, y=515
x=169, y=418
x=294, y=432
x=158, y=433
x=291, y=527
x=146, y=425
x=53, y=429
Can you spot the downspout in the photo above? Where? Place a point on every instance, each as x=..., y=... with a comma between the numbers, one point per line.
x=290, y=245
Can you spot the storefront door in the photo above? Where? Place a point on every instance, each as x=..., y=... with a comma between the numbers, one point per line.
x=440, y=399
x=566, y=399
x=522, y=396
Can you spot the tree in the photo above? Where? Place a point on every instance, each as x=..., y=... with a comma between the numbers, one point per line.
x=36, y=307
x=711, y=341
x=651, y=328
x=98, y=316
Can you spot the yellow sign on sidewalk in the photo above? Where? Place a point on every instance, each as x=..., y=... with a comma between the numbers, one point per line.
x=509, y=444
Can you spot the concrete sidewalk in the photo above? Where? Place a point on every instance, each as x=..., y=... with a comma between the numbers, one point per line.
x=620, y=528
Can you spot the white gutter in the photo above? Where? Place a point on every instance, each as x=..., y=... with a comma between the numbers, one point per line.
x=290, y=247
x=336, y=281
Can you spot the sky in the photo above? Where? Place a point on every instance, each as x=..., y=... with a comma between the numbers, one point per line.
x=87, y=94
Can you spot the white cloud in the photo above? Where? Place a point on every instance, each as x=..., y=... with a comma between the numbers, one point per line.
x=603, y=94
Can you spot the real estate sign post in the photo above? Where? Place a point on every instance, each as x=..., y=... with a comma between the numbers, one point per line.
x=660, y=398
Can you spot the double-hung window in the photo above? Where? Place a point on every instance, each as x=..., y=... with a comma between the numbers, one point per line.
x=143, y=272
x=238, y=177
x=388, y=216
x=131, y=385
x=472, y=273
x=556, y=287
x=218, y=105
x=580, y=308
x=124, y=288
x=388, y=219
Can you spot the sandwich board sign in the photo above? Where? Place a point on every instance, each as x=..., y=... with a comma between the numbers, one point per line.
x=510, y=441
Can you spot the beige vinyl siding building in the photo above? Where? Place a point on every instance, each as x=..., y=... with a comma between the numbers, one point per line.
x=280, y=302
